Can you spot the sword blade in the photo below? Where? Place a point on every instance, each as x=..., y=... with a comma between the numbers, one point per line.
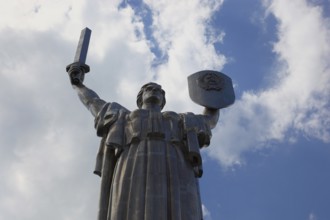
x=81, y=52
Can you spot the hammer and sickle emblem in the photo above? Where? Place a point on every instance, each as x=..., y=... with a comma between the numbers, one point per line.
x=210, y=81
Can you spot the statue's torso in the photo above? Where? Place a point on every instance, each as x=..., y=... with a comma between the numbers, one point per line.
x=143, y=124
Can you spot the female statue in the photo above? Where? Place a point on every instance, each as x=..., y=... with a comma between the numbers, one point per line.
x=149, y=160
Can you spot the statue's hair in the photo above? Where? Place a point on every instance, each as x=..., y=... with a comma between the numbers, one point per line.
x=139, y=100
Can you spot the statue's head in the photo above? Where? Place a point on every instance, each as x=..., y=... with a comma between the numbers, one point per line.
x=151, y=92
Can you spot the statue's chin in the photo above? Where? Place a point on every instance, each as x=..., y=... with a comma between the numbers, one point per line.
x=153, y=99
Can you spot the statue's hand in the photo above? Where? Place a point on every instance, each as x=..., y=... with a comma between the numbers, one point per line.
x=77, y=72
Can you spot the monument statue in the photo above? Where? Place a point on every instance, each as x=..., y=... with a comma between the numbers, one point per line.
x=149, y=161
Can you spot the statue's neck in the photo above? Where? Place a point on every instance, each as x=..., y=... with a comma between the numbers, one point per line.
x=151, y=107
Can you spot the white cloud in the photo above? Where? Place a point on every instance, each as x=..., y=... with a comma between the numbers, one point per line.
x=206, y=213
x=41, y=15
x=312, y=216
x=297, y=101
x=183, y=32
x=42, y=138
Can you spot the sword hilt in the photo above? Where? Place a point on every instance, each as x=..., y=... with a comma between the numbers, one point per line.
x=77, y=72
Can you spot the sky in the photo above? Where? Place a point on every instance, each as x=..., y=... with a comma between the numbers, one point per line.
x=269, y=156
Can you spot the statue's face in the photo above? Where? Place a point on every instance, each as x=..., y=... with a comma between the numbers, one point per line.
x=153, y=94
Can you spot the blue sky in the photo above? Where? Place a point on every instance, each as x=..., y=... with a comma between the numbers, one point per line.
x=270, y=152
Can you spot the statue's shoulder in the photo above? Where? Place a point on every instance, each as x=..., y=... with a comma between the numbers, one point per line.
x=182, y=116
x=171, y=114
x=138, y=113
x=114, y=106
x=192, y=118
x=187, y=114
x=111, y=109
x=109, y=113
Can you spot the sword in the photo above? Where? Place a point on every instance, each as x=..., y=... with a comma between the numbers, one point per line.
x=80, y=58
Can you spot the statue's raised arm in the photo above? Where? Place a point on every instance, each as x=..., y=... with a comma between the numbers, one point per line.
x=213, y=116
x=87, y=96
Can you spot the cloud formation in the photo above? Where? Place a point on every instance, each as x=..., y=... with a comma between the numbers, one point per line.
x=312, y=216
x=296, y=101
x=206, y=213
x=185, y=37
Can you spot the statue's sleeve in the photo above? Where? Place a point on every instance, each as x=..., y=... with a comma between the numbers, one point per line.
x=107, y=117
x=109, y=124
x=197, y=135
x=199, y=126
x=203, y=130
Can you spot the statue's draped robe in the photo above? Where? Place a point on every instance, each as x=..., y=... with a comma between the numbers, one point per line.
x=157, y=163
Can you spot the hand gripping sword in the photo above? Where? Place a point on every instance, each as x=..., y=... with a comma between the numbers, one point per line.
x=80, y=57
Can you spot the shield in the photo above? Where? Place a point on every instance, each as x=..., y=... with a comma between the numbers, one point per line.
x=211, y=89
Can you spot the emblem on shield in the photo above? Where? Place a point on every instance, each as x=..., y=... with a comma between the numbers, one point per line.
x=211, y=89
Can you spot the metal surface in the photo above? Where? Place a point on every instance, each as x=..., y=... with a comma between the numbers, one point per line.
x=79, y=68
x=211, y=89
x=82, y=49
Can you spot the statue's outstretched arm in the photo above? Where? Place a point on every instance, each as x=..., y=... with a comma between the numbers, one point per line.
x=87, y=96
x=213, y=116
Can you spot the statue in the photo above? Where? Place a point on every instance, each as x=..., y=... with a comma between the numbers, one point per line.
x=149, y=161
